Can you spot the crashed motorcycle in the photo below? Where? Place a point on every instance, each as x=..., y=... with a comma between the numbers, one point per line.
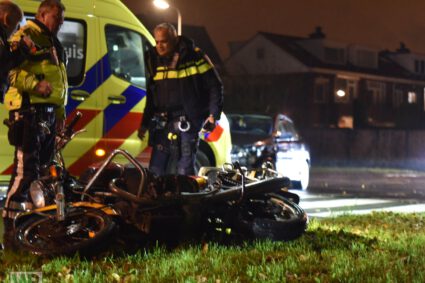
x=87, y=214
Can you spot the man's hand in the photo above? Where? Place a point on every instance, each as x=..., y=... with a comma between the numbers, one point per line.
x=141, y=133
x=43, y=88
x=60, y=125
x=27, y=41
x=209, y=124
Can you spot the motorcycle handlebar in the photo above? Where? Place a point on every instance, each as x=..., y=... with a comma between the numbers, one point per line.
x=71, y=125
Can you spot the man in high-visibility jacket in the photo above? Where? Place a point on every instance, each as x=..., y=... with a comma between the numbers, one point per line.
x=10, y=56
x=36, y=102
x=184, y=93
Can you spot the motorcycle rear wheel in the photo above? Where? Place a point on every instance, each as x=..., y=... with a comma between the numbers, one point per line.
x=272, y=217
x=85, y=230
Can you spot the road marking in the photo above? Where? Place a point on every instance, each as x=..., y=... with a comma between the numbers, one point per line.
x=344, y=202
x=321, y=205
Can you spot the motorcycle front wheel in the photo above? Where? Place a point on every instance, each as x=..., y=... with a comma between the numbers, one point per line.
x=84, y=230
x=271, y=217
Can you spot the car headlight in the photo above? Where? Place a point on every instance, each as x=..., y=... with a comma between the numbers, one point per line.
x=238, y=154
x=258, y=150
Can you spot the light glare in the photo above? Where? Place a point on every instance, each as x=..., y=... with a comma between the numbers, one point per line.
x=100, y=152
x=340, y=93
x=161, y=4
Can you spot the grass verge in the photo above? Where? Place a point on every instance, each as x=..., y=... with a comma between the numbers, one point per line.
x=379, y=247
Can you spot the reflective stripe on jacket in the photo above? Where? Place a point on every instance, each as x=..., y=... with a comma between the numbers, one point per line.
x=199, y=85
x=189, y=69
x=39, y=66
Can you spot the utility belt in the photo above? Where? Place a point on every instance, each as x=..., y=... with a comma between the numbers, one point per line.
x=38, y=108
x=176, y=119
x=44, y=107
x=34, y=114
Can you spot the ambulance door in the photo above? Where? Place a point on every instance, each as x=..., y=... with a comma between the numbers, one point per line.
x=80, y=39
x=124, y=90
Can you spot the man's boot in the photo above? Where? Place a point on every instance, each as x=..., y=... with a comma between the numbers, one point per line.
x=9, y=241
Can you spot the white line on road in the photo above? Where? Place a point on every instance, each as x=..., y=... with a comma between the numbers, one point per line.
x=322, y=205
x=345, y=202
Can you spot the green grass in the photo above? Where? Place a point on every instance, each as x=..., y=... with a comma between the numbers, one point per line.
x=380, y=247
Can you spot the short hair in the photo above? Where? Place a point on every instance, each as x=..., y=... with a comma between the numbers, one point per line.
x=50, y=4
x=13, y=11
x=172, y=32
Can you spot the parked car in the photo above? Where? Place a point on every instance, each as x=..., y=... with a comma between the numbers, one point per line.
x=258, y=138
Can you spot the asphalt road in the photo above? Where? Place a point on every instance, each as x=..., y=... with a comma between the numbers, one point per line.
x=368, y=182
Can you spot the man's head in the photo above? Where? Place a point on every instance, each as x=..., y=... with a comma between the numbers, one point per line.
x=51, y=14
x=166, y=39
x=10, y=16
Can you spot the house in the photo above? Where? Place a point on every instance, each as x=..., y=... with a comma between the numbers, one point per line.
x=324, y=83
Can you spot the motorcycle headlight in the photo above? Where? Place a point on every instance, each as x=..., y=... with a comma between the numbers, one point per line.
x=37, y=193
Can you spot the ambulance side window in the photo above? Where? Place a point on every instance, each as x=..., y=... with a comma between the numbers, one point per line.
x=125, y=52
x=72, y=35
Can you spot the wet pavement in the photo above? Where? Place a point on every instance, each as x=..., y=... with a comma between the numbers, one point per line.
x=368, y=182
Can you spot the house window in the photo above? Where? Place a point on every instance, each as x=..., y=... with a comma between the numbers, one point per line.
x=321, y=90
x=377, y=91
x=424, y=98
x=420, y=66
x=411, y=97
x=397, y=96
x=345, y=90
x=260, y=53
x=366, y=58
x=334, y=55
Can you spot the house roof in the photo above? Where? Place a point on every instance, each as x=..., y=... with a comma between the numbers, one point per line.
x=291, y=45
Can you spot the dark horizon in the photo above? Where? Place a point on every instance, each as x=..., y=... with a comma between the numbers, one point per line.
x=377, y=24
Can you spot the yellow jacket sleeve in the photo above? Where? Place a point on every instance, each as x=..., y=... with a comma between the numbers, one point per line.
x=22, y=80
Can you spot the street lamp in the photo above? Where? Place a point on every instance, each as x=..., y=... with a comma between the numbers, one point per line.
x=162, y=4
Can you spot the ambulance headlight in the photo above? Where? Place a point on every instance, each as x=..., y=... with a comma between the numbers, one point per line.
x=37, y=193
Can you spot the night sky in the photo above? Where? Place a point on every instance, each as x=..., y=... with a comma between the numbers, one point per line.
x=381, y=24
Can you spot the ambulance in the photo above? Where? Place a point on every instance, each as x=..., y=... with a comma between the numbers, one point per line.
x=105, y=45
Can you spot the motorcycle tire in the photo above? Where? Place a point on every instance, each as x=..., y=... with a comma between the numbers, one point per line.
x=84, y=230
x=271, y=217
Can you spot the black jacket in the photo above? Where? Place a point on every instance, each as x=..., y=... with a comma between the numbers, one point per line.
x=9, y=59
x=201, y=89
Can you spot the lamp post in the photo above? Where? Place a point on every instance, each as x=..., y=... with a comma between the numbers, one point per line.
x=163, y=5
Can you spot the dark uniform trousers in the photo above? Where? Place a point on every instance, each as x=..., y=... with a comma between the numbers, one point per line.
x=34, y=147
x=171, y=146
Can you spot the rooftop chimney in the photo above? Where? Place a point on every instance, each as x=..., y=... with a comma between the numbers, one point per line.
x=317, y=34
x=403, y=48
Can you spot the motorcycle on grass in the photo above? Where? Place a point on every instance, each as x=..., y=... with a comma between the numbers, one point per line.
x=86, y=215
